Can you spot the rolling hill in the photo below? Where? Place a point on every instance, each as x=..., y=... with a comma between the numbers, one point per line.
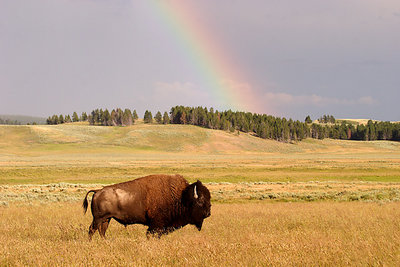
x=163, y=138
x=77, y=152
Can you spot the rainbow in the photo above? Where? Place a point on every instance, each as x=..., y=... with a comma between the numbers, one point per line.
x=223, y=79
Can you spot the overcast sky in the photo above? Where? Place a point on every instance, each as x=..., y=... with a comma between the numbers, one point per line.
x=308, y=57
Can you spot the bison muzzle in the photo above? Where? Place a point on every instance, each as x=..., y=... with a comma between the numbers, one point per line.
x=164, y=203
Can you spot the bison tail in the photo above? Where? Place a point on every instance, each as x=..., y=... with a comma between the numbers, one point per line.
x=85, y=202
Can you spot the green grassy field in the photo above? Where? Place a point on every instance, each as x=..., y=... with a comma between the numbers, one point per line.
x=94, y=154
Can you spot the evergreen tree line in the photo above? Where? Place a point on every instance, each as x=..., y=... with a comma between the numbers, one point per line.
x=370, y=132
x=327, y=119
x=282, y=129
x=261, y=125
x=158, y=118
x=117, y=117
x=59, y=119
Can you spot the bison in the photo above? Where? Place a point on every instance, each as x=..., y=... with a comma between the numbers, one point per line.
x=164, y=203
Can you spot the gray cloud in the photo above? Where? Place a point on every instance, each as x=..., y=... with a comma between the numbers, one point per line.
x=300, y=57
x=178, y=93
x=285, y=99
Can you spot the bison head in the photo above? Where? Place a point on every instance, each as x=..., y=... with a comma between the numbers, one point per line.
x=197, y=198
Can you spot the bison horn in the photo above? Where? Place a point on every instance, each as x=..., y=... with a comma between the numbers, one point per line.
x=195, y=192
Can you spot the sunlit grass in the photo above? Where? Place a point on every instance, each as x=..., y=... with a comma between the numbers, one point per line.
x=230, y=168
x=252, y=234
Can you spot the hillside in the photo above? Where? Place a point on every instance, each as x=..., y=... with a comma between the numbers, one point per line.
x=98, y=154
x=163, y=138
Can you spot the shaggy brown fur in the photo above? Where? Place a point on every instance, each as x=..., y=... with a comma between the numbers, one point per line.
x=162, y=202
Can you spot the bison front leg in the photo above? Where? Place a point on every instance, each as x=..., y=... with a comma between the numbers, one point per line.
x=156, y=232
x=150, y=233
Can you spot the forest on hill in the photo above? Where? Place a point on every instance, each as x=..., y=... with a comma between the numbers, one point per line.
x=260, y=125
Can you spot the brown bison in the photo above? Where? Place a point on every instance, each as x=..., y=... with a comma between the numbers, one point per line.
x=161, y=202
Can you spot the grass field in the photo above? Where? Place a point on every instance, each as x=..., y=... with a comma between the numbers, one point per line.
x=252, y=234
x=315, y=202
x=83, y=154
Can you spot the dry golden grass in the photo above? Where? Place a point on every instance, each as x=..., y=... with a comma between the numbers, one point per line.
x=251, y=234
x=344, y=197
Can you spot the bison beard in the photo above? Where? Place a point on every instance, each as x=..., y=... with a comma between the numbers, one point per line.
x=162, y=202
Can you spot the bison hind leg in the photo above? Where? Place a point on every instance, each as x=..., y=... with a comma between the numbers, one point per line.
x=98, y=224
x=92, y=229
x=103, y=227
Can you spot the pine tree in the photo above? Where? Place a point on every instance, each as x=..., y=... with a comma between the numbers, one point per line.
x=224, y=124
x=263, y=130
x=158, y=117
x=134, y=115
x=75, y=117
x=94, y=117
x=114, y=118
x=127, y=118
x=182, y=119
x=68, y=118
x=84, y=116
x=106, y=120
x=148, y=117
x=120, y=114
x=90, y=118
x=165, y=118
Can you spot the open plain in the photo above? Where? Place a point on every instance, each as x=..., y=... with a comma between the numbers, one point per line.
x=315, y=202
